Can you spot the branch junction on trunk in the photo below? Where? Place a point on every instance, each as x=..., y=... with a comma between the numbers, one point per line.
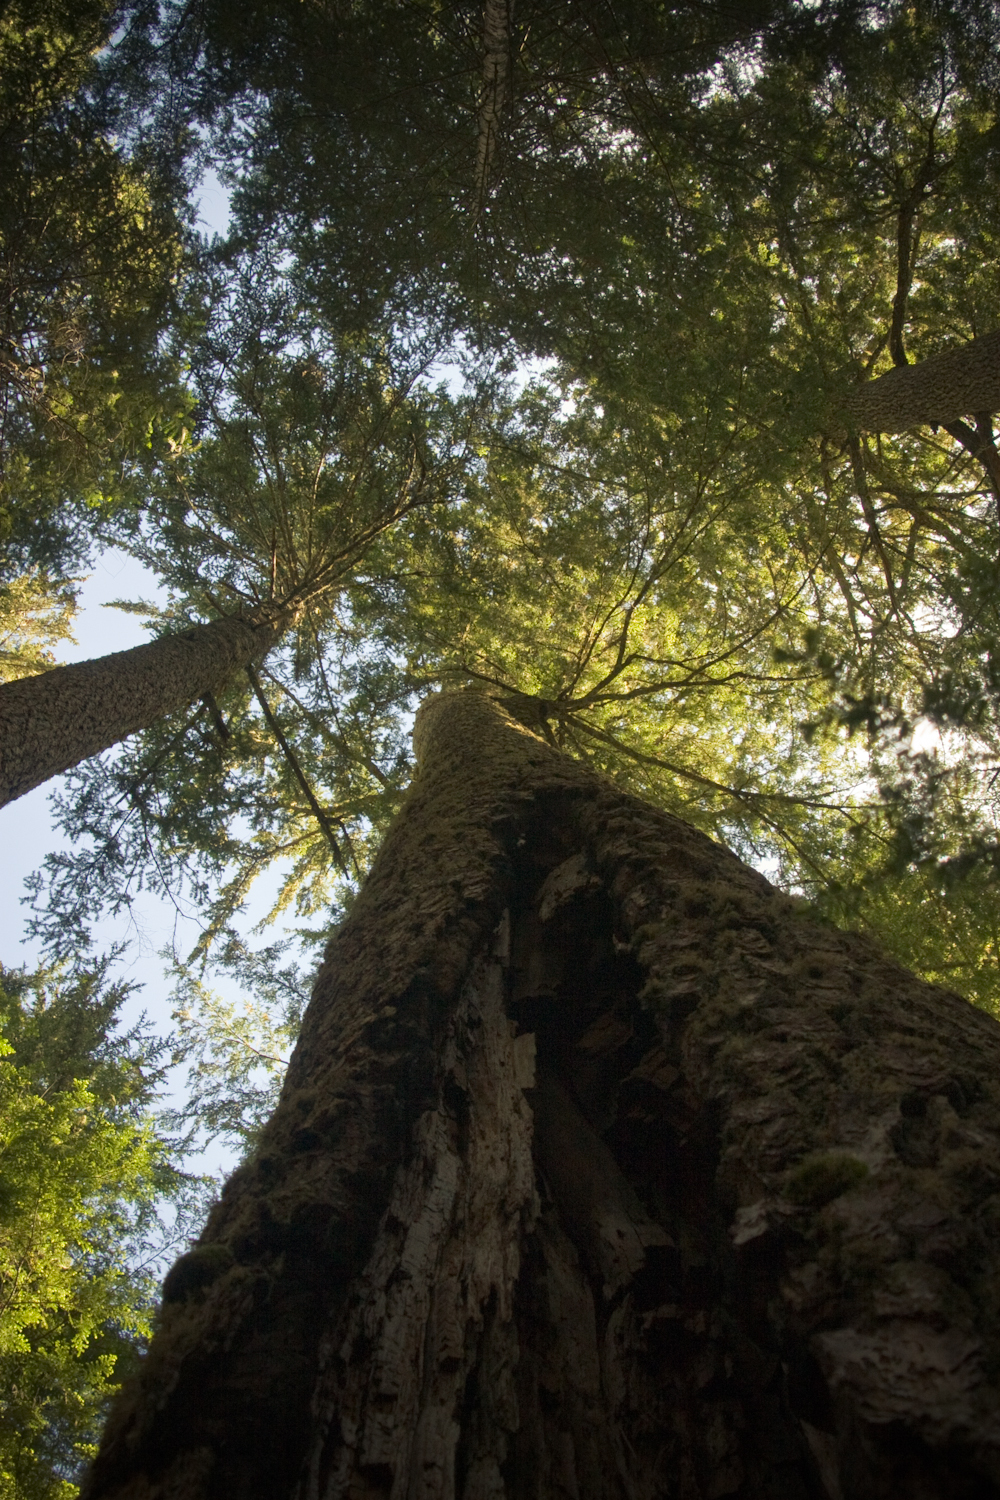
x=960, y=382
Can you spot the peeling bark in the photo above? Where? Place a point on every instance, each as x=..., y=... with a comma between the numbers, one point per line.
x=602, y=1171
x=50, y=722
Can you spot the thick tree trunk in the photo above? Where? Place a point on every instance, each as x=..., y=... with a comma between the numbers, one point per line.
x=959, y=383
x=601, y=1170
x=51, y=722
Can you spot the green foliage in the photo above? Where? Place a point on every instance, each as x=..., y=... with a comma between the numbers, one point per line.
x=306, y=455
x=307, y=444
x=237, y=1050
x=631, y=574
x=81, y=1172
x=36, y=612
x=91, y=254
x=355, y=133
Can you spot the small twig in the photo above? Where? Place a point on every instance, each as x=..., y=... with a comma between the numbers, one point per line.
x=221, y=727
x=871, y=520
x=297, y=771
x=341, y=742
x=158, y=760
x=981, y=444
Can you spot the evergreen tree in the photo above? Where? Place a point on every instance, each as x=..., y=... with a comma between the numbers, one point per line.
x=718, y=232
x=599, y=1167
x=51, y=721
x=84, y=1176
x=93, y=300
x=36, y=611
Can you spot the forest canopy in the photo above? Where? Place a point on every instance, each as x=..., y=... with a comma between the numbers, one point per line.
x=638, y=363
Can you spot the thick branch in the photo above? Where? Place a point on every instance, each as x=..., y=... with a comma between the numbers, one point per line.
x=904, y=255
x=980, y=443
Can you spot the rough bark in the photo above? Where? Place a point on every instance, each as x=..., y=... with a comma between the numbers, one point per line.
x=601, y=1170
x=51, y=722
x=958, y=383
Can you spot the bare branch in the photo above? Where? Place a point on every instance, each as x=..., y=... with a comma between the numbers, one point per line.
x=297, y=771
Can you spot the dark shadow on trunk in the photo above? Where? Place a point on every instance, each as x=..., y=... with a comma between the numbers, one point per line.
x=647, y=1364
x=601, y=1170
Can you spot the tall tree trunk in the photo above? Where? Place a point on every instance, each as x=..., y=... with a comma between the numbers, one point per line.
x=959, y=383
x=51, y=722
x=600, y=1170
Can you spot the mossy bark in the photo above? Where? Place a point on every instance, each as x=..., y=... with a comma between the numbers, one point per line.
x=960, y=382
x=52, y=721
x=600, y=1170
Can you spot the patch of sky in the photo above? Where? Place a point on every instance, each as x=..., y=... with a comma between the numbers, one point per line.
x=212, y=204
x=926, y=739
x=151, y=928
x=939, y=619
x=459, y=369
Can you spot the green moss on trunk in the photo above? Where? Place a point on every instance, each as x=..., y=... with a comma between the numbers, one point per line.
x=599, y=1169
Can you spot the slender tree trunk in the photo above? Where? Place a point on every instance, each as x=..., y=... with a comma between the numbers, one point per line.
x=51, y=722
x=600, y=1170
x=959, y=383
x=497, y=17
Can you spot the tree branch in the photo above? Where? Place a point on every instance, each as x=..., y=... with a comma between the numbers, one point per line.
x=297, y=771
x=981, y=444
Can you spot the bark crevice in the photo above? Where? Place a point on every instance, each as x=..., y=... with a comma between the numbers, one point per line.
x=601, y=1170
